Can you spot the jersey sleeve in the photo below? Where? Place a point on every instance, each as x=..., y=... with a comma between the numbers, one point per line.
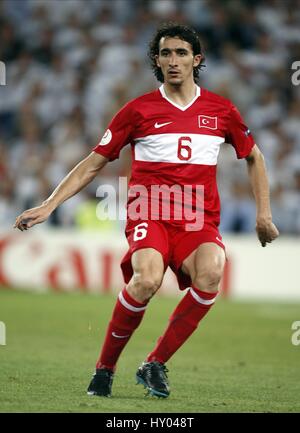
x=238, y=134
x=117, y=135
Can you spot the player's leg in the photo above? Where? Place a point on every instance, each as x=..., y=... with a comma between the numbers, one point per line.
x=142, y=286
x=205, y=267
x=148, y=270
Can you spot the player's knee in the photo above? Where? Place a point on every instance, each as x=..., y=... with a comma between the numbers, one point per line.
x=208, y=280
x=143, y=286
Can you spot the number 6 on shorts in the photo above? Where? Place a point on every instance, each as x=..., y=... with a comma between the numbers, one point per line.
x=140, y=231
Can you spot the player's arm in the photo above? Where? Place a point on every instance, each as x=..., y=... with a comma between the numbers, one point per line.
x=266, y=230
x=75, y=181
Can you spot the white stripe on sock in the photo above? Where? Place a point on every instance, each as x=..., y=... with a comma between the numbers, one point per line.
x=128, y=306
x=199, y=299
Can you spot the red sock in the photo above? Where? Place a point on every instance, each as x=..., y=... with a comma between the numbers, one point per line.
x=126, y=317
x=184, y=320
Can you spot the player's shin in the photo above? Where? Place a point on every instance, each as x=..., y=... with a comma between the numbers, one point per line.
x=126, y=317
x=184, y=320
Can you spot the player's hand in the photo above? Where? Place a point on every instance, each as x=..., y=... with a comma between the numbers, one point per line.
x=266, y=231
x=31, y=217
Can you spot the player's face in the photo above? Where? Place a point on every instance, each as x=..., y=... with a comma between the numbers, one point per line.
x=176, y=60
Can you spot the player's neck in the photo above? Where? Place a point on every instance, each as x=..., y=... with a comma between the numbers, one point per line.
x=181, y=94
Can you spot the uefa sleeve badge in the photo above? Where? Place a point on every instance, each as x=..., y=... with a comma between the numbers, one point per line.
x=106, y=138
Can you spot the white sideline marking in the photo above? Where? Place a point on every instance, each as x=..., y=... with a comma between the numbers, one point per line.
x=2, y=334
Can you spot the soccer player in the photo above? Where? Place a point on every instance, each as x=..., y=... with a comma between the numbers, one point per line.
x=175, y=132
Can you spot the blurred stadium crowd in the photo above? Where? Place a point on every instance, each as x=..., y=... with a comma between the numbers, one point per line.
x=71, y=64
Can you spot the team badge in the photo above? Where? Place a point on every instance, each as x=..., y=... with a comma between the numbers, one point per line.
x=207, y=122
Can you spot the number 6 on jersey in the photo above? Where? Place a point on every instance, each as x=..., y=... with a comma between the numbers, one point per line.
x=184, y=151
x=140, y=231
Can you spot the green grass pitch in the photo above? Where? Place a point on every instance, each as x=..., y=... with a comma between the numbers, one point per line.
x=240, y=359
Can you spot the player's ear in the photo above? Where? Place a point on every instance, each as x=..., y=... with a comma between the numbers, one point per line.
x=157, y=61
x=197, y=60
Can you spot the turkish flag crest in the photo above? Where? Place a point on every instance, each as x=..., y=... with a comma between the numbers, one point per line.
x=207, y=122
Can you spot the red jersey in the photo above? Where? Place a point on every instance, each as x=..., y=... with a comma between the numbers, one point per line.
x=175, y=145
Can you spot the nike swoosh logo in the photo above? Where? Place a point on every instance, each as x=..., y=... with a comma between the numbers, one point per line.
x=160, y=125
x=119, y=336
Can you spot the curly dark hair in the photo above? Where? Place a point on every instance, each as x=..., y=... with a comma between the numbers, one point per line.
x=172, y=30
